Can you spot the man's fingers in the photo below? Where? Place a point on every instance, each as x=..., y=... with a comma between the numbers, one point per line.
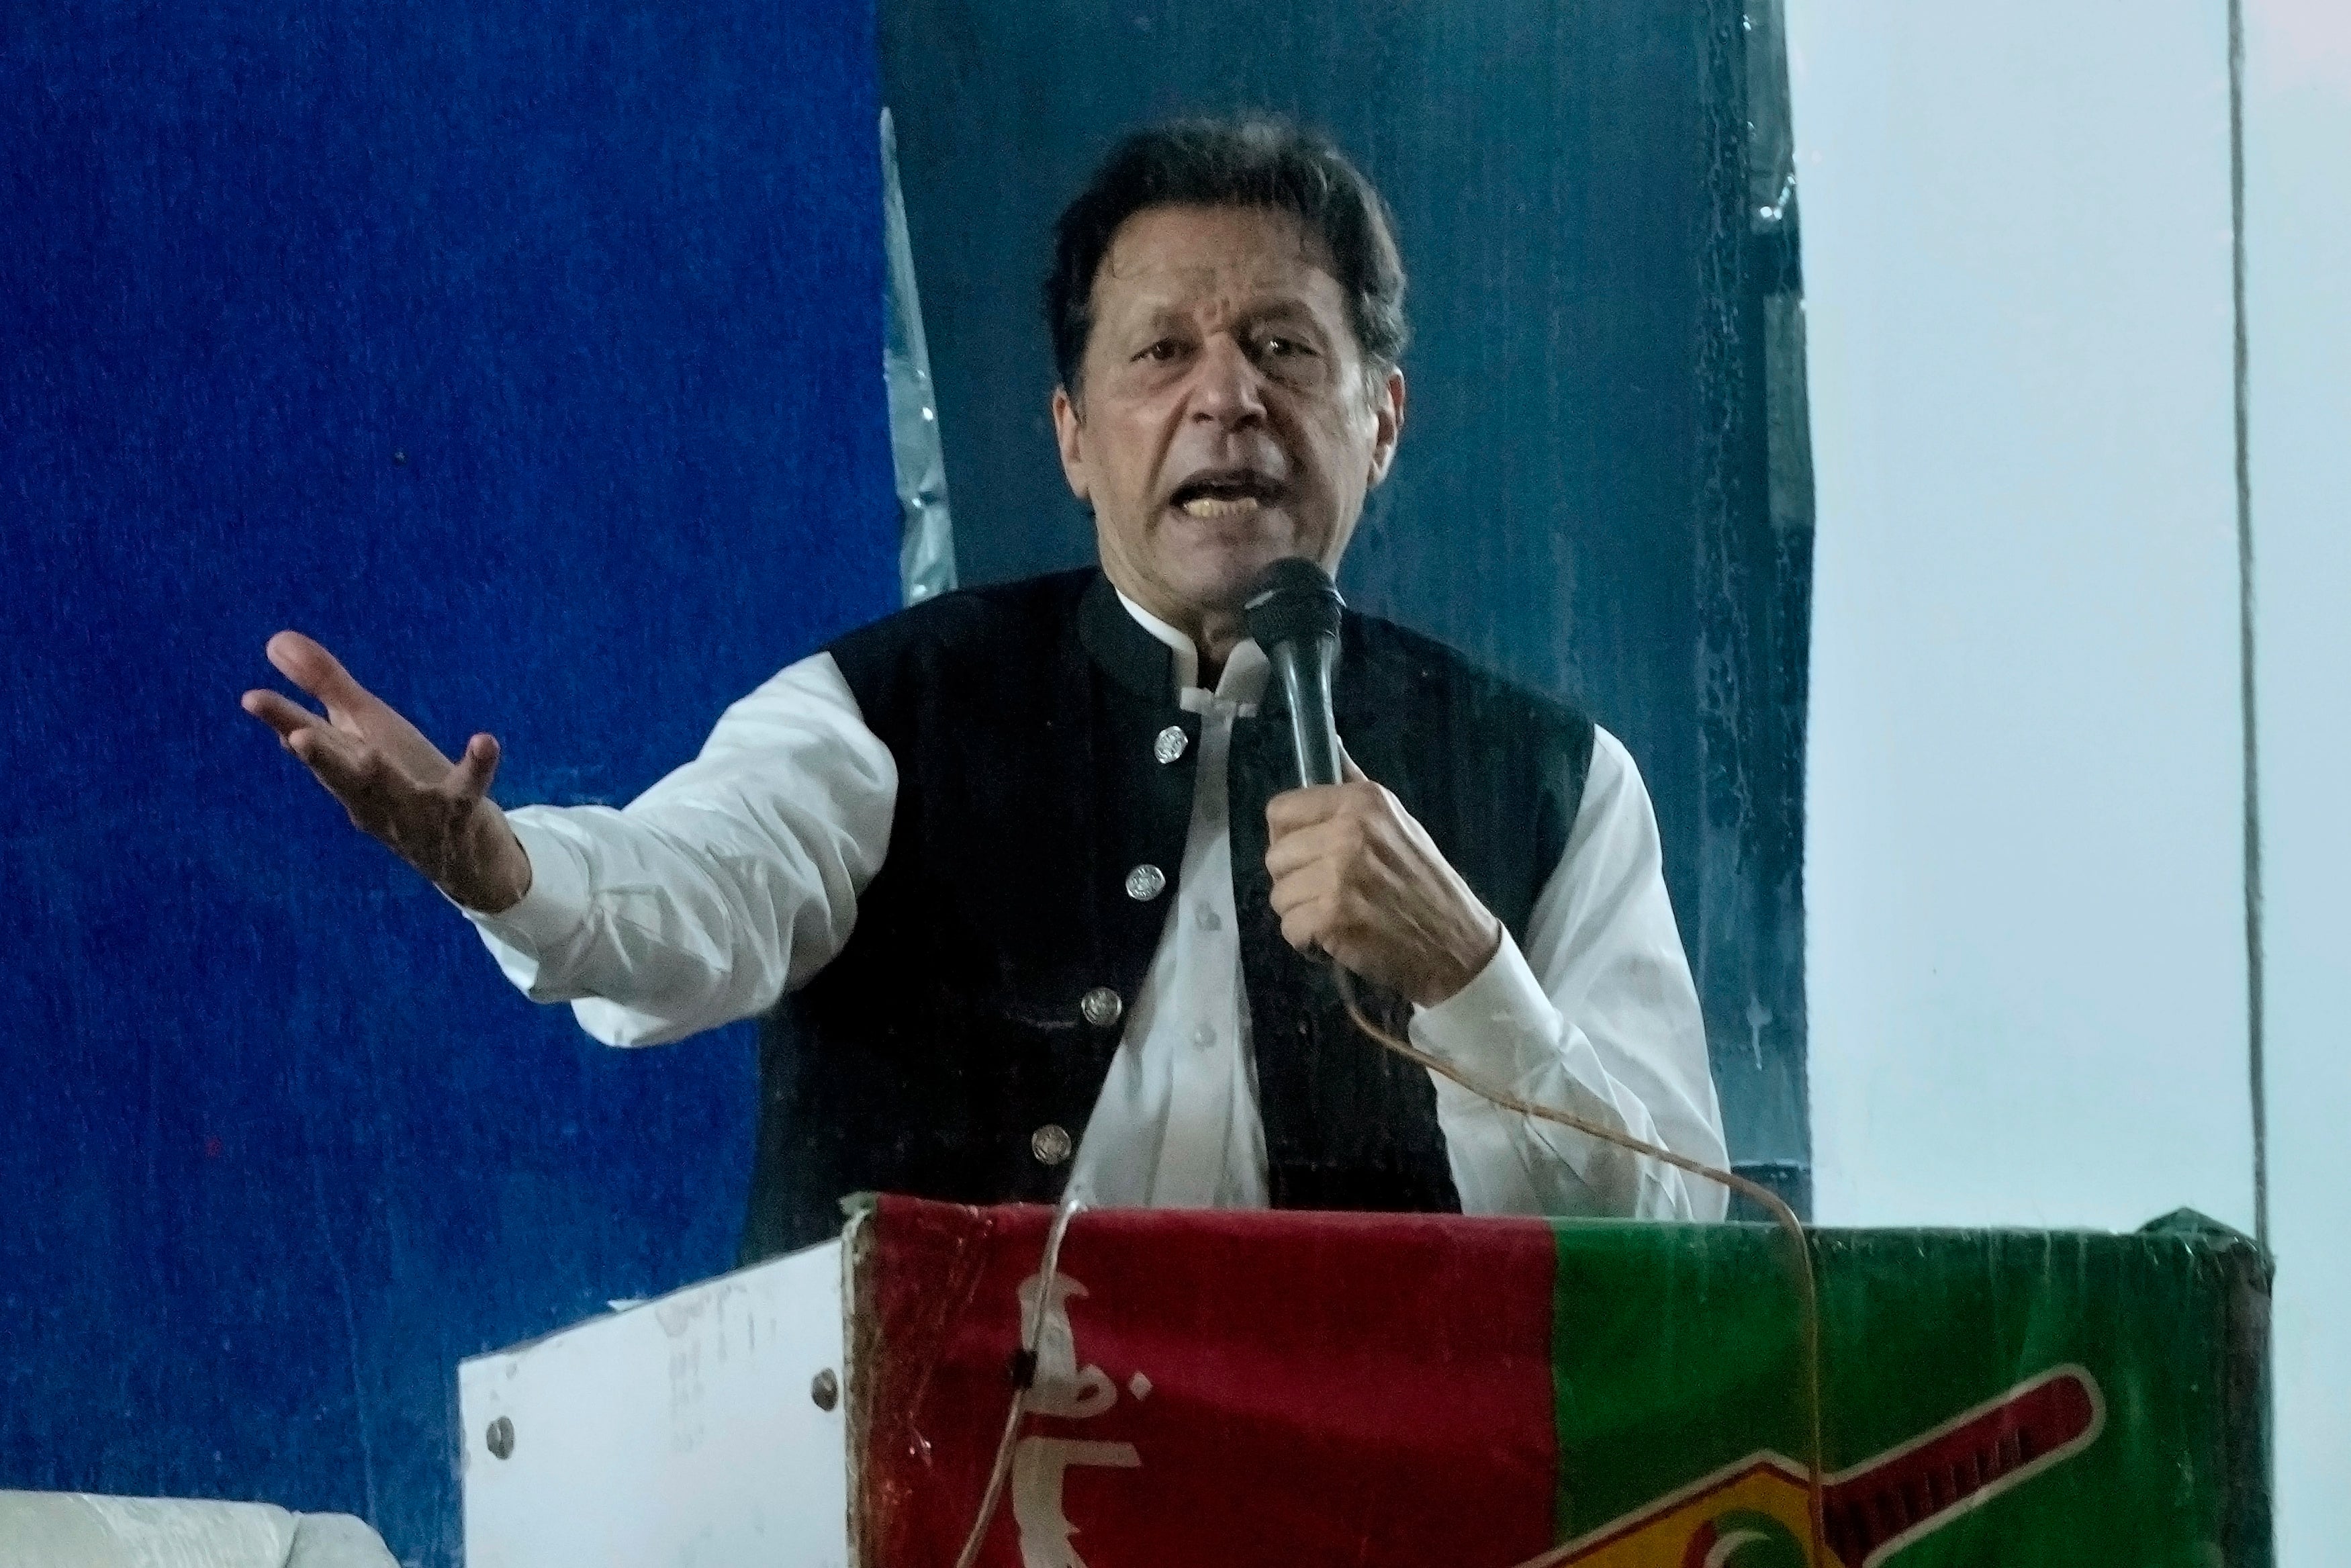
x=356, y=711
x=1295, y=809
x=316, y=671
x=1303, y=885
x=353, y=772
x=280, y=713
x=470, y=778
x=1301, y=927
x=344, y=765
x=1321, y=929
x=1303, y=806
x=1351, y=820
x=1331, y=839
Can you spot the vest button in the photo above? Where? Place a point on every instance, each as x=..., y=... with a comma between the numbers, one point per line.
x=1146, y=882
x=1171, y=744
x=1102, y=1006
x=1050, y=1144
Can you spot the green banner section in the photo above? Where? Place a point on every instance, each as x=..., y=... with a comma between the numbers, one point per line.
x=1988, y=1398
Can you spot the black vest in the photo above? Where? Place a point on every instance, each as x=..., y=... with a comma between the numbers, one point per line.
x=927, y=1056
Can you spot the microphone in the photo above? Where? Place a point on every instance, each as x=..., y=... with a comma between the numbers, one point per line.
x=1293, y=614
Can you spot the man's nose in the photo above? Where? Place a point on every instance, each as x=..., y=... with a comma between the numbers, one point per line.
x=1227, y=388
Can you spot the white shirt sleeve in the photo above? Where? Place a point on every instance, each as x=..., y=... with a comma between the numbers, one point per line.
x=1597, y=1017
x=732, y=880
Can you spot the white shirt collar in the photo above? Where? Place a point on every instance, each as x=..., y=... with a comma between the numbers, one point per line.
x=1243, y=681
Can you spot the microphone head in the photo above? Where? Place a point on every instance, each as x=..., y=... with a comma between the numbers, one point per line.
x=1295, y=601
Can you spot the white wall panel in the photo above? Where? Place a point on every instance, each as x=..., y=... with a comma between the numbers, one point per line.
x=2297, y=240
x=2026, y=963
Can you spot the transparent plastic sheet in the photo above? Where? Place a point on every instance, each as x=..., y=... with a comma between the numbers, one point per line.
x=87, y=1531
x=1754, y=547
x=1773, y=229
x=927, y=563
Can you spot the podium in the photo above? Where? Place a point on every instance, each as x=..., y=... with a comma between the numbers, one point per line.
x=1225, y=1388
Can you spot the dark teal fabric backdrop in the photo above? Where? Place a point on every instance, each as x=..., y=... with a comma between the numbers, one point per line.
x=528, y=355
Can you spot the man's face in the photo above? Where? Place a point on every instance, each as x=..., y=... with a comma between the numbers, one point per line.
x=1225, y=420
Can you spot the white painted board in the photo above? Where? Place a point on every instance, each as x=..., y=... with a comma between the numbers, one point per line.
x=678, y=1434
x=2298, y=321
x=2024, y=874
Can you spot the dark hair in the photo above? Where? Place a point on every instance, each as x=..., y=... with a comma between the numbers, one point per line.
x=1246, y=162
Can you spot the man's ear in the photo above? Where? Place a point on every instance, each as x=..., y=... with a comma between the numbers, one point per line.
x=1387, y=412
x=1069, y=434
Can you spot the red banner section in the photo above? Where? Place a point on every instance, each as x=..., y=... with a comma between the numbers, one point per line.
x=1212, y=1389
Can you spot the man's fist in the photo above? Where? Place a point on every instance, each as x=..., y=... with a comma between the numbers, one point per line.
x=1355, y=876
x=435, y=814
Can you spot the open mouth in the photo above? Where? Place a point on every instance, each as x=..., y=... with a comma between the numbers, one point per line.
x=1229, y=493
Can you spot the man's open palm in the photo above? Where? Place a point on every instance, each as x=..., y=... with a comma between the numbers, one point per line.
x=435, y=814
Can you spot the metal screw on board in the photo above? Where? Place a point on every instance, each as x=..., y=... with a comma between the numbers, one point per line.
x=500, y=1438
x=825, y=1389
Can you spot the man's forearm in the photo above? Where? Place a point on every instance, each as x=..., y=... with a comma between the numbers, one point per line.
x=1596, y=1016
x=727, y=883
x=1505, y=1031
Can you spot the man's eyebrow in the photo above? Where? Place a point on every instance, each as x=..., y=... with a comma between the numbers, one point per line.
x=1282, y=310
x=1161, y=317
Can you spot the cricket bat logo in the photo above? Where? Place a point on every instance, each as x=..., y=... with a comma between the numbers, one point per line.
x=1752, y=1514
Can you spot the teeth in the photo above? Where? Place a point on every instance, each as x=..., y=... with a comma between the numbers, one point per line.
x=1211, y=506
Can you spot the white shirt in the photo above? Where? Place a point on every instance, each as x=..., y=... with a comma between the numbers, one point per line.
x=735, y=879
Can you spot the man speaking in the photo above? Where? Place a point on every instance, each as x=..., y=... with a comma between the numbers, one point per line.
x=1012, y=878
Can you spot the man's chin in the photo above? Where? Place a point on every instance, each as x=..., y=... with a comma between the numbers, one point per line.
x=1221, y=580
x=1226, y=589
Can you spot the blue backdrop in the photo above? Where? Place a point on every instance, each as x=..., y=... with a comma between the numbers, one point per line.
x=528, y=355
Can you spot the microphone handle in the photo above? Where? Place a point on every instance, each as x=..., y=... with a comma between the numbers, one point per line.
x=1302, y=666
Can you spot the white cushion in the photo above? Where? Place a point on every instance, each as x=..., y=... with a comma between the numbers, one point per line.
x=78, y=1530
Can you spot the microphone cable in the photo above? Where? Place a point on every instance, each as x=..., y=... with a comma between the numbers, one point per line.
x=1024, y=1376
x=1807, y=1283
x=1024, y=1369
x=1294, y=614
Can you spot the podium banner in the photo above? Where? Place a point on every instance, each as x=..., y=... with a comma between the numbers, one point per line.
x=1381, y=1390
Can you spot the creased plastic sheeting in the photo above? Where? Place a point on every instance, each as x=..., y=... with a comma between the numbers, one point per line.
x=1406, y=1390
x=77, y=1529
x=926, y=554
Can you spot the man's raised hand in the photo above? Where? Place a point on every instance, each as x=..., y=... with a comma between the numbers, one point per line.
x=435, y=814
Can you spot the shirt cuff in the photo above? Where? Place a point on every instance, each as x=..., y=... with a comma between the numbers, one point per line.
x=1499, y=1027
x=556, y=906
